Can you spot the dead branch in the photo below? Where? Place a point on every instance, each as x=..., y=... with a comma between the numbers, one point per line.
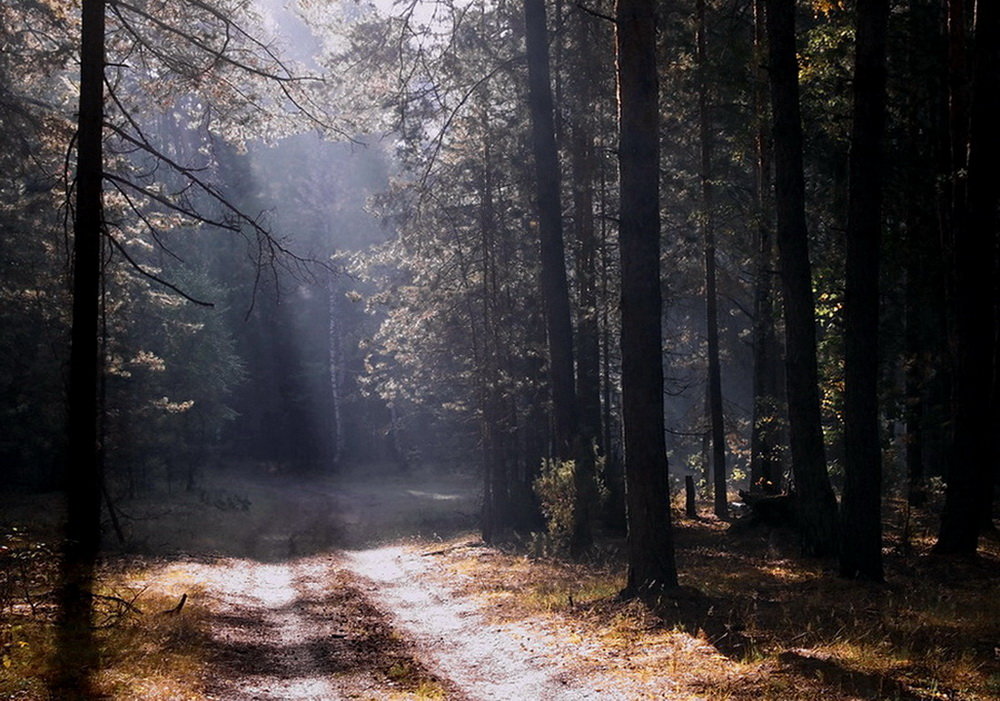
x=176, y=609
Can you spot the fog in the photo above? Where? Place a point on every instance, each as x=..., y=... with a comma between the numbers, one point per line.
x=364, y=311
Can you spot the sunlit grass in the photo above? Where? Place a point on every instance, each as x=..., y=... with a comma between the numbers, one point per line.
x=147, y=655
x=776, y=626
x=520, y=585
x=414, y=682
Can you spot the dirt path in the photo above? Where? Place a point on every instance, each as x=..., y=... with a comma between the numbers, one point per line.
x=483, y=660
x=303, y=608
x=271, y=632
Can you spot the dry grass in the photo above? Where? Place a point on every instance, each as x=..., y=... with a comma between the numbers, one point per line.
x=766, y=624
x=144, y=654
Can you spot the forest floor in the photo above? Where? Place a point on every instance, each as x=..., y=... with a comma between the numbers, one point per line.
x=376, y=587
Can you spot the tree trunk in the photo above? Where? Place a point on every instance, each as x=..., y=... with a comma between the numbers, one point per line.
x=765, y=465
x=555, y=289
x=919, y=292
x=614, y=471
x=588, y=372
x=651, y=565
x=914, y=364
x=818, y=517
x=861, y=506
x=334, y=362
x=969, y=489
x=83, y=478
x=958, y=101
x=716, y=420
x=496, y=493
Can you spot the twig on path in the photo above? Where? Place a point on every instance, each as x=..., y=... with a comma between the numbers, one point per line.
x=459, y=546
x=129, y=605
x=176, y=609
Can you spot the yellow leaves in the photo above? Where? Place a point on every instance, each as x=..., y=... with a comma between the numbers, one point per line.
x=149, y=361
x=827, y=7
x=170, y=407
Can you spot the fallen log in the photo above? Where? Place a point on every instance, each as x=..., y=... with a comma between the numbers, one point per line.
x=775, y=510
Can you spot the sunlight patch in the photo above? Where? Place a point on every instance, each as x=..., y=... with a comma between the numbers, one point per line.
x=436, y=496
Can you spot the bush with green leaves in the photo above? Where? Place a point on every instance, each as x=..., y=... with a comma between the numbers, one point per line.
x=557, y=491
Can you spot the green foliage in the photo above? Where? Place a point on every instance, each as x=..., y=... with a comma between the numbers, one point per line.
x=172, y=368
x=557, y=492
x=555, y=487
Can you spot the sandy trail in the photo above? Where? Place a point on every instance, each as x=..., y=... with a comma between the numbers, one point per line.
x=270, y=631
x=294, y=617
x=485, y=661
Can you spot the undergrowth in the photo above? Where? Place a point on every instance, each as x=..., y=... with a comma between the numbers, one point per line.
x=144, y=652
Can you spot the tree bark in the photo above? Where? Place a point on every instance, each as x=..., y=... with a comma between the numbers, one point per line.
x=818, y=508
x=83, y=478
x=588, y=353
x=861, y=512
x=716, y=418
x=588, y=378
x=334, y=363
x=651, y=564
x=555, y=288
x=614, y=470
x=497, y=511
x=969, y=490
x=765, y=465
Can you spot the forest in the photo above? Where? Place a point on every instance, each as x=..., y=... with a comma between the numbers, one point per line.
x=489, y=349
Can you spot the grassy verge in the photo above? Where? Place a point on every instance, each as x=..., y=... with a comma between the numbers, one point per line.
x=143, y=652
x=766, y=624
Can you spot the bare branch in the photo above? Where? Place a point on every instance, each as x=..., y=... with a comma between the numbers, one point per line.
x=594, y=13
x=439, y=139
x=145, y=273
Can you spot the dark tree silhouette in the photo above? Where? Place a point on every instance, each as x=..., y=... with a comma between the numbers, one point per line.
x=970, y=476
x=715, y=413
x=83, y=479
x=555, y=288
x=861, y=505
x=817, y=510
x=651, y=564
x=588, y=341
x=765, y=464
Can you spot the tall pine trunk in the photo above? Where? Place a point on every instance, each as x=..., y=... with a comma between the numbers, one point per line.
x=335, y=363
x=588, y=355
x=83, y=478
x=970, y=483
x=497, y=508
x=861, y=506
x=555, y=288
x=817, y=507
x=715, y=412
x=651, y=564
x=588, y=350
x=765, y=465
